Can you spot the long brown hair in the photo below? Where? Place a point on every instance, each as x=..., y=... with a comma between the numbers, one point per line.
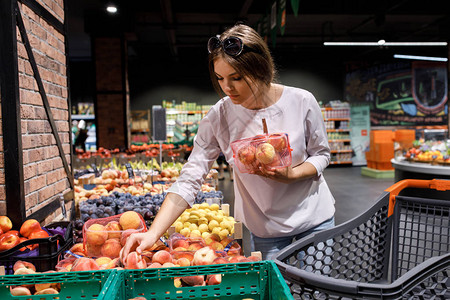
x=257, y=66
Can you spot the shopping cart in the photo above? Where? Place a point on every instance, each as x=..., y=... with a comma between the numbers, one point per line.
x=398, y=249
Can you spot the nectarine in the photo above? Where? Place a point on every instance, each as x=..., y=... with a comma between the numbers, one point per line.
x=265, y=153
x=29, y=226
x=5, y=223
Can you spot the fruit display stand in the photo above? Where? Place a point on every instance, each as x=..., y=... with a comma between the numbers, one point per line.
x=91, y=285
x=258, y=280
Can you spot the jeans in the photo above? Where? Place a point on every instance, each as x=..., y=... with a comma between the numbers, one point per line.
x=269, y=247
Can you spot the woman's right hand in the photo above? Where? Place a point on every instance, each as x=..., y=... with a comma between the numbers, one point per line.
x=137, y=242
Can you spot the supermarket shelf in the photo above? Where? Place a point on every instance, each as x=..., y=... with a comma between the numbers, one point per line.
x=336, y=119
x=338, y=130
x=339, y=140
x=83, y=117
x=341, y=151
x=340, y=162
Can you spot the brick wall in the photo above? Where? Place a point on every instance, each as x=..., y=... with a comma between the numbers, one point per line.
x=44, y=174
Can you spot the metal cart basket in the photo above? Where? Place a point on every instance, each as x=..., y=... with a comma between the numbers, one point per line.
x=398, y=249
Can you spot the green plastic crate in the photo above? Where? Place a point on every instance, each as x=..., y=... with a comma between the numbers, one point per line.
x=258, y=281
x=91, y=285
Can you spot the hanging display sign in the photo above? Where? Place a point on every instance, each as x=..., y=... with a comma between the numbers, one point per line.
x=360, y=134
x=282, y=16
x=295, y=5
x=273, y=23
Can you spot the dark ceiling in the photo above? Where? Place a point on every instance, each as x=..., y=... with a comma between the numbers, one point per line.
x=177, y=29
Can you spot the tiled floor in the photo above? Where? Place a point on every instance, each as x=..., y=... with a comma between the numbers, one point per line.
x=354, y=193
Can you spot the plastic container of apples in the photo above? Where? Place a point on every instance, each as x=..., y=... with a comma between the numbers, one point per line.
x=267, y=150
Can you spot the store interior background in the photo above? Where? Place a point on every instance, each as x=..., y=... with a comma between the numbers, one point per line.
x=167, y=56
x=167, y=53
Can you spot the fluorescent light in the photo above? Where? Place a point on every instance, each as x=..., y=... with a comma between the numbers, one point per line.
x=416, y=57
x=112, y=9
x=384, y=43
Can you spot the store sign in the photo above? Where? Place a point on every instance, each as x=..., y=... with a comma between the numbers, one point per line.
x=401, y=94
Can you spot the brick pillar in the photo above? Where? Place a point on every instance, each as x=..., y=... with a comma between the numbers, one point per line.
x=42, y=173
x=112, y=92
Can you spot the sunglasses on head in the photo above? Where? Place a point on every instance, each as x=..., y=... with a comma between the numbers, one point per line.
x=232, y=46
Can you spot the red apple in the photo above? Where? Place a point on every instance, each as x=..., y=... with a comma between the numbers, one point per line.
x=5, y=223
x=8, y=240
x=29, y=226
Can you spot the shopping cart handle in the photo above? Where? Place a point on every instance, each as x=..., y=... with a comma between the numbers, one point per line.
x=394, y=190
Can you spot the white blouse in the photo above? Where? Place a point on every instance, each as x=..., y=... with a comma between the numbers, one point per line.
x=266, y=207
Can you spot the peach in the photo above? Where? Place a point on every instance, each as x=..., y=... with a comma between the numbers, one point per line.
x=130, y=220
x=29, y=226
x=112, y=264
x=278, y=142
x=246, y=154
x=42, y=286
x=20, y=291
x=24, y=271
x=135, y=261
x=78, y=248
x=5, y=223
x=212, y=238
x=168, y=265
x=226, y=240
x=188, y=255
x=180, y=249
x=154, y=265
x=93, y=250
x=96, y=234
x=195, y=246
x=194, y=280
x=237, y=258
x=114, y=230
x=254, y=258
x=23, y=264
x=162, y=256
x=47, y=291
x=213, y=279
x=183, y=262
x=217, y=246
x=103, y=260
x=177, y=282
x=220, y=260
x=245, y=260
x=176, y=243
x=204, y=256
x=84, y=264
x=111, y=248
x=265, y=153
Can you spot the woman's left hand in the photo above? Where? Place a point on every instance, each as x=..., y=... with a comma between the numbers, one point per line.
x=288, y=174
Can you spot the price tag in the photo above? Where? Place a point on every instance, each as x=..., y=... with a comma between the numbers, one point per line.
x=129, y=170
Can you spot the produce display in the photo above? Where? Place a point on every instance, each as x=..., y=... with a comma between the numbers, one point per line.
x=436, y=152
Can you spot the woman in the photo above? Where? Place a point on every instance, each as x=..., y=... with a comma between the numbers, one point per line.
x=276, y=205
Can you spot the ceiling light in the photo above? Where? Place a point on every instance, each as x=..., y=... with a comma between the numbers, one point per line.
x=384, y=43
x=111, y=8
x=416, y=57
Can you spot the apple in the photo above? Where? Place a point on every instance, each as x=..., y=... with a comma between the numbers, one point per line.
x=5, y=223
x=278, y=141
x=8, y=240
x=204, y=256
x=265, y=153
x=29, y=226
x=246, y=154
